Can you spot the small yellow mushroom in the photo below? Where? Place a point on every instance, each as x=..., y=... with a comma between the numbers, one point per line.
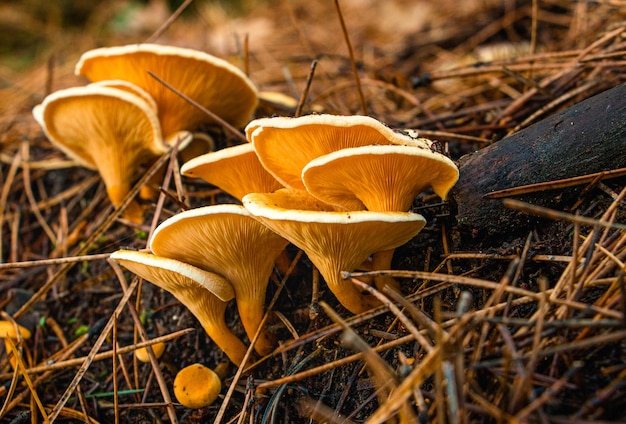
x=8, y=331
x=142, y=352
x=197, y=386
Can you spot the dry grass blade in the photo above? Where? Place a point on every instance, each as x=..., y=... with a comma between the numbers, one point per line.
x=431, y=363
x=319, y=412
x=547, y=395
x=354, y=320
x=248, y=354
x=587, y=343
x=20, y=366
x=169, y=21
x=5, y=194
x=307, y=88
x=57, y=261
x=332, y=365
x=144, y=336
x=485, y=285
x=107, y=222
x=557, y=215
x=393, y=309
x=355, y=71
x=232, y=130
x=29, y=193
x=384, y=378
x=94, y=350
x=57, y=363
x=405, y=389
x=557, y=184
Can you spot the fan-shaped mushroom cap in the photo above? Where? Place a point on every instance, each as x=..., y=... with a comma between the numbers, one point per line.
x=183, y=138
x=226, y=240
x=212, y=82
x=204, y=293
x=286, y=145
x=335, y=241
x=383, y=178
x=236, y=170
x=106, y=129
x=197, y=386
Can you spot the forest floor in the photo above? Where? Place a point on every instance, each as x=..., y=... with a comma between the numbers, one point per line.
x=525, y=326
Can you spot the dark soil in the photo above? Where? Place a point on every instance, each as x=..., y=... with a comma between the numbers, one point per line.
x=433, y=66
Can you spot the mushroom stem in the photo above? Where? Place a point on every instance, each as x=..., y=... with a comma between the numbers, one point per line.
x=211, y=316
x=380, y=261
x=334, y=241
x=347, y=294
x=230, y=344
x=148, y=190
x=116, y=193
x=251, y=311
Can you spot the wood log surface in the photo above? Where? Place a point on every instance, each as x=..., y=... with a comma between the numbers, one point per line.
x=585, y=138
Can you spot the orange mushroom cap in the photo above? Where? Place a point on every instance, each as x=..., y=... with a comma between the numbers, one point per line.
x=103, y=128
x=212, y=82
x=286, y=145
x=11, y=332
x=236, y=170
x=335, y=241
x=381, y=177
x=8, y=330
x=157, y=348
x=129, y=87
x=197, y=386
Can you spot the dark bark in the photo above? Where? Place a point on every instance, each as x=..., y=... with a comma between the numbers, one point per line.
x=586, y=138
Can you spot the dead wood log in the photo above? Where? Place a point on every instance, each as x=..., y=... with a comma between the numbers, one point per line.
x=588, y=137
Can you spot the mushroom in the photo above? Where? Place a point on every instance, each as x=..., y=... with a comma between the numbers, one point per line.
x=143, y=355
x=106, y=129
x=197, y=386
x=236, y=170
x=200, y=144
x=14, y=332
x=226, y=240
x=9, y=330
x=383, y=178
x=205, y=294
x=380, y=177
x=212, y=82
x=185, y=138
x=335, y=241
x=286, y=145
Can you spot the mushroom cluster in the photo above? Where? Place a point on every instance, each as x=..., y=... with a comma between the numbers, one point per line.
x=361, y=178
x=338, y=187
x=126, y=118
